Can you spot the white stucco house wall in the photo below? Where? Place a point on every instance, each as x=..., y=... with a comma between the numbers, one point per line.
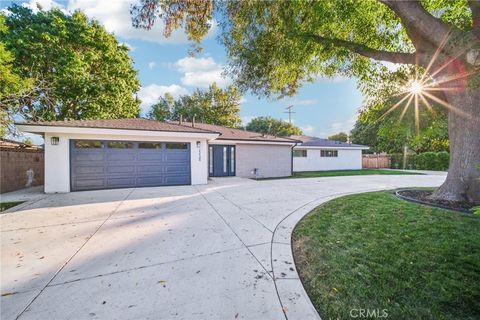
x=122, y=153
x=315, y=154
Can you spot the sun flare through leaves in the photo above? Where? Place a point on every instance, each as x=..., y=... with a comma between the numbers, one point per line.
x=426, y=87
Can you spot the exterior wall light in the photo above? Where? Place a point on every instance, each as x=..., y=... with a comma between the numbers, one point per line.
x=199, y=151
x=54, y=141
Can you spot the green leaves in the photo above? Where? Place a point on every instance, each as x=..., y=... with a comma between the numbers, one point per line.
x=388, y=132
x=341, y=136
x=269, y=125
x=78, y=69
x=214, y=106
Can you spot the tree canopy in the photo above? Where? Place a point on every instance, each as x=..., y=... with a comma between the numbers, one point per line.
x=276, y=127
x=318, y=38
x=274, y=47
x=214, y=106
x=341, y=136
x=390, y=131
x=11, y=84
x=77, y=69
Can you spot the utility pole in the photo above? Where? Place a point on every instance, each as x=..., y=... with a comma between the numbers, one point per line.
x=289, y=108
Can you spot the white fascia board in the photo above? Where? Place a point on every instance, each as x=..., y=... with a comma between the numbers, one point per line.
x=116, y=132
x=233, y=142
x=300, y=147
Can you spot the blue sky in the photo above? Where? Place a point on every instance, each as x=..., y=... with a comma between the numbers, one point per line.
x=325, y=107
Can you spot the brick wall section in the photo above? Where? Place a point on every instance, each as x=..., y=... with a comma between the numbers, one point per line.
x=271, y=160
x=14, y=165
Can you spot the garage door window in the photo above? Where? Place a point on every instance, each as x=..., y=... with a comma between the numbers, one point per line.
x=177, y=146
x=120, y=145
x=86, y=144
x=150, y=145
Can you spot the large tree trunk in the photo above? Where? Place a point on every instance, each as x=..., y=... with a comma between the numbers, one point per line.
x=463, y=179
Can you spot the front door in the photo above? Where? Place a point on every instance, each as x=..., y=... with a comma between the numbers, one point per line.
x=221, y=161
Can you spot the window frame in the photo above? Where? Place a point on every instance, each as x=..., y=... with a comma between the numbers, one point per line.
x=329, y=153
x=303, y=153
x=167, y=144
x=75, y=144
x=127, y=144
x=151, y=143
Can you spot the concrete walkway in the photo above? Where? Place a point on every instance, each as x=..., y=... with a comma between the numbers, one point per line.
x=27, y=194
x=219, y=251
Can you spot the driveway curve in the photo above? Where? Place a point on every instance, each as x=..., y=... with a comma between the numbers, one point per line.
x=218, y=251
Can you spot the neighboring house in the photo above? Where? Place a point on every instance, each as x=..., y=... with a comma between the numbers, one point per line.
x=7, y=144
x=315, y=154
x=121, y=153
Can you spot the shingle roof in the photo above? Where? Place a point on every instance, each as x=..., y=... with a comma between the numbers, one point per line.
x=302, y=138
x=239, y=134
x=127, y=124
x=11, y=144
x=308, y=141
x=153, y=125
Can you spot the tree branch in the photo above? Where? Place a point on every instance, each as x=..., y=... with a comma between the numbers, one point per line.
x=475, y=8
x=381, y=55
x=418, y=21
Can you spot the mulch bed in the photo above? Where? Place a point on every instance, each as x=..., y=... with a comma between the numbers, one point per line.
x=422, y=196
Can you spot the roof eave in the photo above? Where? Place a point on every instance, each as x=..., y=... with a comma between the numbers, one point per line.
x=35, y=128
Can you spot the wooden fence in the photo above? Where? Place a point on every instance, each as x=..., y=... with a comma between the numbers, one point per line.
x=18, y=166
x=376, y=161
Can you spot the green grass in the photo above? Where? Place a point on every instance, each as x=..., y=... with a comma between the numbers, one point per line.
x=7, y=205
x=339, y=173
x=375, y=251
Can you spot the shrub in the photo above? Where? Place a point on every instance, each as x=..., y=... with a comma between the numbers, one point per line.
x=422, y=161
x=396, y=161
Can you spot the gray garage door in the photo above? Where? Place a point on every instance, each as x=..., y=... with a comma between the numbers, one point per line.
x=121, y=164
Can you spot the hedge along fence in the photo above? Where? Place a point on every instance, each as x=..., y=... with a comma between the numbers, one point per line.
x=422, y=161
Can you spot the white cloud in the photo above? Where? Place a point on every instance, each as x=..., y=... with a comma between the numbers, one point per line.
x=129, y=46
x=308, y=130
x=115, y=16
x=193, y=64
x=341, y=126
x=201, y=72
x=45, y=4
x=150, y=94
x=247, y=119
x=151, y=65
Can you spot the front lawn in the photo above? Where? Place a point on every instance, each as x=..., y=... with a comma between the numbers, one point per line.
x=374, y=251
x=335, y=173
x=7, y=205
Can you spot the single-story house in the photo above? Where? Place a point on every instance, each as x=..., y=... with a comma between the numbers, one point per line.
x=315, y=154
x=121, y=153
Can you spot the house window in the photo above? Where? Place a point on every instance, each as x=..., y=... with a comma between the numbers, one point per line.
x=120, y=145
x=224, y=159
x=88, y=144
x=177, y=146
x=299, y=153
x=150, y=145
x=210, y=159
x=329, y=153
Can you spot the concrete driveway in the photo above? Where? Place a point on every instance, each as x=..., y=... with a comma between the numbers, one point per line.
x=219, y=251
